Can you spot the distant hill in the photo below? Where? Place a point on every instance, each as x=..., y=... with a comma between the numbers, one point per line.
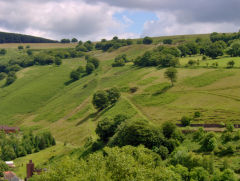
x=20, y=38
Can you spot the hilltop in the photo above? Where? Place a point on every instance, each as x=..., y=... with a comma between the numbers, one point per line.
x=20, y=38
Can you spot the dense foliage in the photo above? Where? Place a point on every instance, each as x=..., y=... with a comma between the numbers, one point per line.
x=14, y=146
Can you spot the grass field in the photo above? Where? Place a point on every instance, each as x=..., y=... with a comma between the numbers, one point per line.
x=41, y=99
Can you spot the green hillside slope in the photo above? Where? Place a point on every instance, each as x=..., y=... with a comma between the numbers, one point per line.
x=41, y=97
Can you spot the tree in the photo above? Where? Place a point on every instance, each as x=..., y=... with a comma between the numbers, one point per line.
x=184, y=50
x=100, y=100
x=75, y=75
x=231, y=64
x=167, y=41
x=193, y=48
x=113, y=95
x=168, y=129
x=11, y=78
x=3, y=167
x=20, y=47
x=90, y=68
x=147, y=40
x=58, y=61
x=199, y=174
x=186, y=121
x=209, y=142
x=214, y=50
x=105, y=129
x=29, y=52
x=74, y=40
x=94, y=61
x=2, y=75
x=171, y=74
x=65, y=40
x=3, y=51
x=234, y=49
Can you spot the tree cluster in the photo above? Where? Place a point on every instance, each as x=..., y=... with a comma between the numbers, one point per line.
x=14, y=146
x=104, y=98
x=92, y=64
x=113, y=44
x=120, y=60
x=161, y=56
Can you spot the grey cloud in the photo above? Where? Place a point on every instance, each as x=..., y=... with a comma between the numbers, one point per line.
x=186, y=11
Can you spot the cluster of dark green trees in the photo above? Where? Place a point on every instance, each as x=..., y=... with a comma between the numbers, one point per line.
x=120, y=60
x=14, y=65
x=139, y=150
x=92, y=64
x=3, y=51
x=65, y=40
x=105, y=98
x=15, y=145
x=161, y=56
x=19, y=38
x=85, y=47
x=113, y=44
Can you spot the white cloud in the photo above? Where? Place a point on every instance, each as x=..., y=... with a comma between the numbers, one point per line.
x=60, y=19
x=167, y=24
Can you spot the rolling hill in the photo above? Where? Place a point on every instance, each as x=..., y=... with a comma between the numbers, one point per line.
x=20, y=38
x=40, y=98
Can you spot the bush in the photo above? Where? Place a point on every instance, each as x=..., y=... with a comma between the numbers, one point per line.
x=75, y=75
x=186, y=121
x=162, y=151
x=20, y=47
x=90, y=68
x=93, y=60
x=113, y=95
x=137, y=132
x=3, y=51
x=29, y=52
x=100, y=100
x=2, y=75
x=230, y=64
x=105, y=129
x=58, y=61
x=197, y=114
x=167, y=41
x=11, y=78
x=209, y=142
x=147, y=40
x=168, y=129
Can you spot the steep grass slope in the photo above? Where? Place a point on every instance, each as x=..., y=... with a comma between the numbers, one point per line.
x=41, y=98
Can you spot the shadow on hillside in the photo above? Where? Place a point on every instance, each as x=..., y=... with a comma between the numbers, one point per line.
x=69, y=82
x=94, y=116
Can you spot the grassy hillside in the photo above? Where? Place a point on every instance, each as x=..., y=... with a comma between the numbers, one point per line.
x=41, y=97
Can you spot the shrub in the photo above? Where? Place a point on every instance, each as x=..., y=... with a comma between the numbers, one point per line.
x=58, y=61
x=3, y=51
x=185, y=121
x=197, y=114
x=75, y=75
x=230, y=64
x=20, y=47
x=100, y=100
x=209, y=142
x=162, y=151
x=230, y=127
x=105, y=129
x=113, y=95
x=2, y=75
x=167, y=41
x=168, y=129
x=90, y=68
x=137, y=132
x=11, y=78
x=147, y=40
x=29, y=52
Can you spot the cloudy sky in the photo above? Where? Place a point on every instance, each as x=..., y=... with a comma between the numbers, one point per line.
x=97, y=19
